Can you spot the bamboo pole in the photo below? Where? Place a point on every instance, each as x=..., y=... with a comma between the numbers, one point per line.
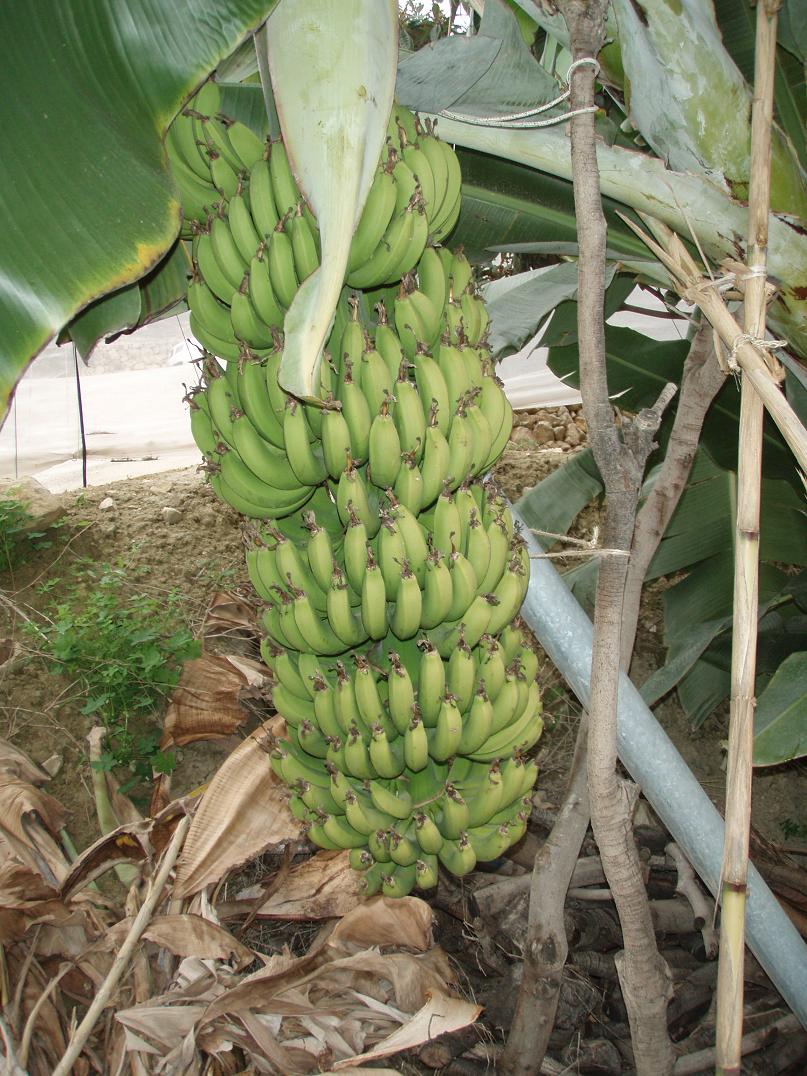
x=729, y=1027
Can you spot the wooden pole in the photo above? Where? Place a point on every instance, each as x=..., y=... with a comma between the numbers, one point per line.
x=729, y=1028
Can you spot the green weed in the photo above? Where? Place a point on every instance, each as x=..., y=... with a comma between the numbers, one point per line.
x=17, y=540
x=125, y=648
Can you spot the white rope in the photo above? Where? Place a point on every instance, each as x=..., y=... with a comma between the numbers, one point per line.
x=516, y=120
x=747, y=338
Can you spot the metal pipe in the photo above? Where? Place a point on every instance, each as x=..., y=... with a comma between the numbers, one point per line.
x=565, y=632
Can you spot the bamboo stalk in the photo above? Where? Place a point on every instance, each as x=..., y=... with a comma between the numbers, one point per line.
x=729, y=1026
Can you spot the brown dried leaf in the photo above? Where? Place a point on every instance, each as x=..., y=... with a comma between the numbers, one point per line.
x=189, y=935
x=229, y=611
x=126, y=844
x=404, y=922
x=30, y=820
x=158, y=1028
x=16, y=763
x=352, y=1071
x=205, y=704
x=24, y=897
x=406, y=978
x=243, y=813
x=322, y=887
x=440, y=1014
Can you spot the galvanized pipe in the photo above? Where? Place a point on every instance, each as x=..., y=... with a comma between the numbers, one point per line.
x=565, y=632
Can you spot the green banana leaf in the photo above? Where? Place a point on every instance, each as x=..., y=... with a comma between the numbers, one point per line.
x=780, y=720
x=518, y=304
x=680, y=661
x=562, y=329
x=554, y=504
x=684, y=201
x=737, y=22
x=639, y=367
x=437, y=75
x=515, y=80
x=505, y=203
x=87, y=203
x=156, y=295
x=793, y=29
x=646, y=270
x=692, y=105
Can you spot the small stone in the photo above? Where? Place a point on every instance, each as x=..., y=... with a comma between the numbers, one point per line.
x=521, y=435
x=43, y=507
x=106, y=505
x=171, y=515
x=559, y=432
x=573, y=436
x=562, y=445
x=206, y=516
x=581, y=423
x=543, y=433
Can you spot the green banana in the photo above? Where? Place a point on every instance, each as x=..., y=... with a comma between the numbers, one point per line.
x=261, y=198
x=306, y=464
x=284, y=186
x=373, y=599
x=405, y=618
x=282, y=269
x=303, y=245
x=242, y=227
x=384, y=449
x=458, y=857
x=375, y=217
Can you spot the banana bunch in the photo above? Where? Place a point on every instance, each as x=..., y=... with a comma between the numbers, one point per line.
x=208, y=152
x=408, y=759
x=372, y=437
x=460, y=571
x=415, y=196
x=389, y=568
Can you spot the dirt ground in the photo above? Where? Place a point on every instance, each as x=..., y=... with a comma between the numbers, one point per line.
x=198, y=553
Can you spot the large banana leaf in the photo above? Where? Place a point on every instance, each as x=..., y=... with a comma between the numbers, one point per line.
x=87, y=204
x=490, y=73
x=692, y=105
x=780, y=720
x=639, y=367
x=700, y=541
x=684, y=201
x=504, y=203
x=518, y=304
x=737, y=22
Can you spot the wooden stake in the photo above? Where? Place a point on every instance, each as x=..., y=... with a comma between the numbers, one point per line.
x=729, y=1027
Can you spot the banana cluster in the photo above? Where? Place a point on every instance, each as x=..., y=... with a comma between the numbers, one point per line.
x=390, y=569
x=449, y=576
x=408, y=759
x=267, y=452
x=254, y=239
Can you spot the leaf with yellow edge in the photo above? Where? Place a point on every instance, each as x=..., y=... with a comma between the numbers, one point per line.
x=333, y=66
